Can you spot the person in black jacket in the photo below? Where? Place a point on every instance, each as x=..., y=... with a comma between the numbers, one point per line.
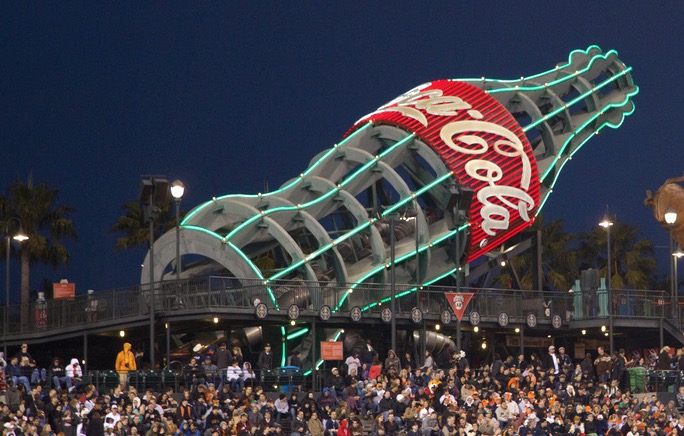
x=265, y=361
x=95, y=425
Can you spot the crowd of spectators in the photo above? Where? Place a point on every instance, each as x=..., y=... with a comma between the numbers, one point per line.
x=368, y=395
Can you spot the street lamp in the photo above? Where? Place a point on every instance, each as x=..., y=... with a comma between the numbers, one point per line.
x=671, y=219
x=177, y=191
x=20, y=236
x=607, y=224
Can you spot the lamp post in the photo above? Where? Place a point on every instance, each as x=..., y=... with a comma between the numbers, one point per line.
x=21, y=237
x=154, y=190
x=393, y=284
x=177, y=191
x=607, y=224
x=678, y=254
x=671, y=219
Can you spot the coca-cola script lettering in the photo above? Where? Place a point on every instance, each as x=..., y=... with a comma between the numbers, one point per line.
x=484, y=147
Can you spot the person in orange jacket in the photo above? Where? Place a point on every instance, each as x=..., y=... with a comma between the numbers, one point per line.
x=125, y=361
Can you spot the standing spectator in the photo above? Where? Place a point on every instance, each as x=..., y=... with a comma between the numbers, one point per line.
x=125, y=361
x=237, y=355
x=375, y=370
x=617, y=369
x=392, y=363
x=664, y=360
x=603, y=364
x=222, y=358
x=265, y=362
x=368, y=353
x=139, y=354
x=587, y=367
x=551, y=361
x=353, y=362
x=564, y=359
x=407, y=362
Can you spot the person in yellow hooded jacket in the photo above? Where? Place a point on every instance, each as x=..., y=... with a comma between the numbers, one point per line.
x=125, y=361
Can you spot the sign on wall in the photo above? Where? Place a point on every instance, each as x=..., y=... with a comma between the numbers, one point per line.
x=332, y=350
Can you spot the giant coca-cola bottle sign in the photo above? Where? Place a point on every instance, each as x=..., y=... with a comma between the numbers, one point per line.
x=484, y=147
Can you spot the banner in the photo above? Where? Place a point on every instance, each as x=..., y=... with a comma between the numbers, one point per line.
x=332, y=350
x=458, y=302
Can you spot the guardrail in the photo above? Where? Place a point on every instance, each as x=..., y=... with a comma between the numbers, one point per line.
x=225, y=293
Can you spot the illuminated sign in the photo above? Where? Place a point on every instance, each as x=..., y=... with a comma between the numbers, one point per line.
x=483, y=146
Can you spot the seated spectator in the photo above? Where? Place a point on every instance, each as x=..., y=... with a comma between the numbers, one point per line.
x=16, y=375
x=248, y=375
x=58, y=374
x=234, y=377
x=74, y=374
x=210, y=370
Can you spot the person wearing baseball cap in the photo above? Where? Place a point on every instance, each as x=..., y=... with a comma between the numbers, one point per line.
x=265, y=362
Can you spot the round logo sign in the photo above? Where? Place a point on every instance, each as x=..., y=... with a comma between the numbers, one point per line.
x=325, y=312
x=261, y=311
x=503, y=319
x=445, y=316
x=355, y=313
x=556, y=321
x=293, y=311
x=474, y=318
x=416, y=315
x=531, y=320
x=386, y=314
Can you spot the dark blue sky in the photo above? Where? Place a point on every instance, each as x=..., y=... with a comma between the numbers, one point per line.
x=229, y=95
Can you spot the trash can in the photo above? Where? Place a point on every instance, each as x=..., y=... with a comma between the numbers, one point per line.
x=637, y=379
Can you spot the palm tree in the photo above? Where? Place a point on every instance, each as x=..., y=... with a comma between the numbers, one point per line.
x=632, y=263
x=135, y=231
x=559, y=265
x=46, y=224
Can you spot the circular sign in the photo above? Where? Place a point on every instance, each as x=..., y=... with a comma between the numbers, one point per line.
x=293, y=311
x=325, y=312
x=531, y=320
x=386, y=314
x=445, y=316
x=416, y=315
x=503, y=319
x=355, y=313
x=556, y=321
x=261, y=311
x=474, y=318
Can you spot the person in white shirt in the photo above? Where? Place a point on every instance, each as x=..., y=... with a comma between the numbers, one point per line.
x=234, y=376
x=353, y=362
x=74, y=372
x=114, y=415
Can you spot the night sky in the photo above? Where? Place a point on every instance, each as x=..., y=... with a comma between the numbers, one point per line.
x=229, y=96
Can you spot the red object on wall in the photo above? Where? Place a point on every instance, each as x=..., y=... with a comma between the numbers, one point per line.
x=484, y=147
x=458, y=302
x=332, y=350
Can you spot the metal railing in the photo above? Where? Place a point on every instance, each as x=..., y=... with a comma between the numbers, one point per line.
x=231, y=294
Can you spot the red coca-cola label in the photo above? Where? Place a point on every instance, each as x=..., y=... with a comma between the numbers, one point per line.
x=484, y=147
